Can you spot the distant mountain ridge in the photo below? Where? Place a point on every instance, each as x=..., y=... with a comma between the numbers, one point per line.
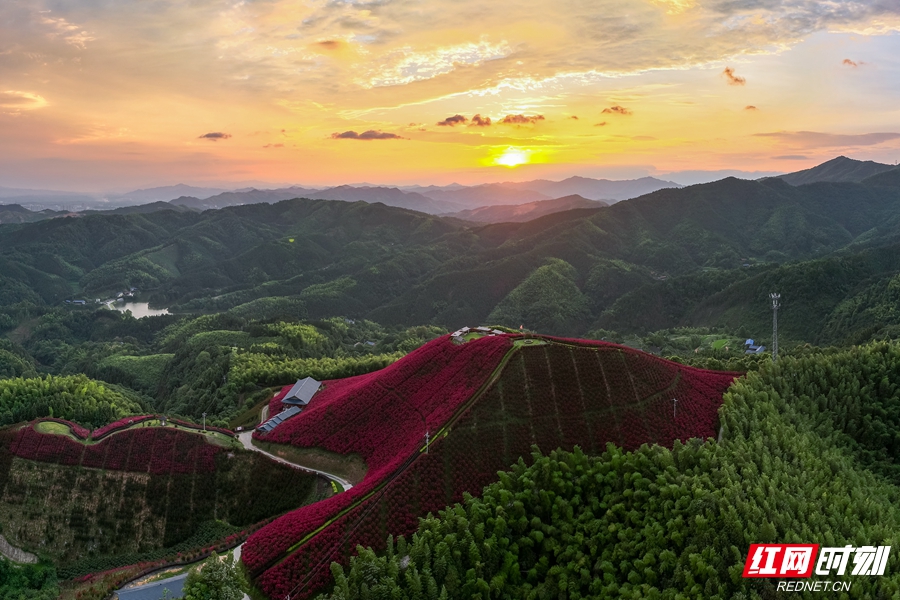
x=488, y=194
x=389, y=196
x=596, y=189
x=239, y=198
x=836, y=170
x=519, y=213
x=543, y=189
x=166, y=193
x=15, y=213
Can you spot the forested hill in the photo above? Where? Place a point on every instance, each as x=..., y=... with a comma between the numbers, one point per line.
x=837, y=169
x=561, y=273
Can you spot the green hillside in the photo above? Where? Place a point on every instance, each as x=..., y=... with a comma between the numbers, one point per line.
x=400, y=267
x=837, y=169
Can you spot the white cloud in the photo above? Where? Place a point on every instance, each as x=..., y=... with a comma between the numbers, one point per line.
x=405, y=65
x=15, y=101
x=72, y=34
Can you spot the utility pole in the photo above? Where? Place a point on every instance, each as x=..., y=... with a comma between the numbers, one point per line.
x=427, y=433
x=204, y=422
x=674, y=407
x=776, y=297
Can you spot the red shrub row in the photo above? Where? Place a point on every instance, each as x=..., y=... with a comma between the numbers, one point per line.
x=158, y=450
x=126, y=422
x=123, y=423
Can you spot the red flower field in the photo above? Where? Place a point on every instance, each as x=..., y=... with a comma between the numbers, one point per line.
x=554, y=393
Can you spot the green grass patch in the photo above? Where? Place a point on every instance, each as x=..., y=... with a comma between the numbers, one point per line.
x=54, y=428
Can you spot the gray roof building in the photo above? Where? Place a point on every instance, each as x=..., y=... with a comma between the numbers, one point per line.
x=279, y=419
x=302, y=392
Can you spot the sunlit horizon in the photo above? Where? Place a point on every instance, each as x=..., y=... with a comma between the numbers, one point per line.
x=329, y=93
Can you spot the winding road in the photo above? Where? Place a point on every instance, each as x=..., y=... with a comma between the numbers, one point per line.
x=246, y=439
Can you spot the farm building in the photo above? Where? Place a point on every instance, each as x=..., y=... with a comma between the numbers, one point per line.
x=278, y=419
x=302, y=392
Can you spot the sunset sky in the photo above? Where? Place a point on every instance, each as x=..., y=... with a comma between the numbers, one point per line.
x=114, y=95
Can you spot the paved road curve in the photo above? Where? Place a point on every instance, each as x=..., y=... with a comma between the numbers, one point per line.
x=155, y=590
x=246, y=439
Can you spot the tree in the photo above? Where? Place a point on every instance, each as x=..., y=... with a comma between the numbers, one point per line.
x=216, y=579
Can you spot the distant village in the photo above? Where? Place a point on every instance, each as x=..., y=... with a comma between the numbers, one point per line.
x=122, y=296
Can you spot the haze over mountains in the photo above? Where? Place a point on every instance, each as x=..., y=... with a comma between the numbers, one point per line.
x=453, y=198
x=519, y=213
x=478, y=203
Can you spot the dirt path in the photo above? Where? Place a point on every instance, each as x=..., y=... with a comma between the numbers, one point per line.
x=246, y=439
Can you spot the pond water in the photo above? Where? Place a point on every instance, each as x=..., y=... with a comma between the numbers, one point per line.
x=138, y=309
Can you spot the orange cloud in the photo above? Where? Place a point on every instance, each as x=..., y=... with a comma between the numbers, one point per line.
x=215, y=136
x=618, y=110
x=479, y=121
x=750, y=107
x=521, y=119
x=371, y=134
x=453, y=121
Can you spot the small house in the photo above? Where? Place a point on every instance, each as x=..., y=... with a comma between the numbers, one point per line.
x=751, y=347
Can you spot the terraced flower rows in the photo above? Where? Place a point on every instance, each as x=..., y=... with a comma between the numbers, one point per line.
x=558, y=394
x=156, y=450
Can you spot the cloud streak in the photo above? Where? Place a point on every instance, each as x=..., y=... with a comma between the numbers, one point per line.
x=215, y=136
x=815, y=139
x=17, y=101
x=732, y=78
x=616, y=110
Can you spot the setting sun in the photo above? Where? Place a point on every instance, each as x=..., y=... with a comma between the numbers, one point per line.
x=513, y=157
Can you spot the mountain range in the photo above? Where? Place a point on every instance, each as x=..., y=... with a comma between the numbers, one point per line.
x=705, y=254
x=431, y=199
